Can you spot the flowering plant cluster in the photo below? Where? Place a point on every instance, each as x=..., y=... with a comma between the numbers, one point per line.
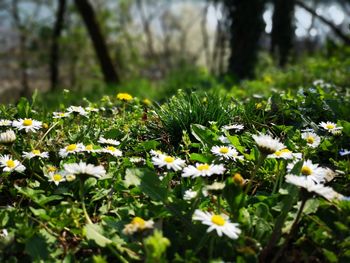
x=106, y=182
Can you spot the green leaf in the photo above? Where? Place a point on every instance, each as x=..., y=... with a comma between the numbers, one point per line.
x=23, y=108
x=36, y=247
x=233, y=195
x=93, y=232
x=203, y=134
x=234, y=140
x=311, y=206
x=200, y=158
x=132, y=177
x=151, y=186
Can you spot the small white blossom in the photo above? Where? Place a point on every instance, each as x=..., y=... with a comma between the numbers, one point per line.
x=28, y=125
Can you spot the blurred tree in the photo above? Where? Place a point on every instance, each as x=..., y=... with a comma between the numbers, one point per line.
x=336, y=30
x=245, y=23
x=88, y=14
x=55, y=56
x=282, y=33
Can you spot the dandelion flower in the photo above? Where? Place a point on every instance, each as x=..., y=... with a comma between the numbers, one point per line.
x=137, y=224
x=170, y=162
x=28, y=125
x=311, y=171
x=331, y=127
x=267, y=144
x=7, y=137
x=226, y=152
x=35, y=153
x=220, y=223
x=108, y=141
x=124, y=96
x=203, y=169
x=8, y=164
x=83, y=168
x=311, y=138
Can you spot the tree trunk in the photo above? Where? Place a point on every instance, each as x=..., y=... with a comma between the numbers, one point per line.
x=246, y=25
x=282, y=34
x=87, y=12
x=54, y=58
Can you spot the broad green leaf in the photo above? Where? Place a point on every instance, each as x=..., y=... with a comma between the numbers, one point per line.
x=93, y=232
x=200, y=158
x=203, y=134
x=37, y=248
x=132, y=177
x=151, y=186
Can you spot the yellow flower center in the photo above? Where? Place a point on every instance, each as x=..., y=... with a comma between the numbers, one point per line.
x=111, y=148
x=169, y=159
x=280, y=152
x=27, y=122
x=71, y=147
x=61, y=114
x=330, y=126
x=218, y=220
x=203, y=167
x=57, y=177
x=139, y=222
x=224, y=150
x=305, y=170
x=310, y=140
x=36, y=152
x=124, y=96
x=89, y=147
x=51, y=168
x=10, y=164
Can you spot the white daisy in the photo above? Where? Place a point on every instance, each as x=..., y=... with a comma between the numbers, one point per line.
x=5, y=122
x=112, y=150
x=137, y=224
x=108, y=141
x=311, y=186
x=77, y=109
x=203, y=169
x=285, y=154
x=190, y=194
x=7, y=137
x=311, y=138
x=84, y=169
x=220, y=223
x=137, y=159
x=27, y=125
x=311, y=171
x=224, y=139
x=170, y=162
x=331, y=127
x=236, y=127
x=91, y=109
x=8, y=164
x=60, y=115
x=344, y=152
x=56, y=178
x=88, y=148
x=156, y=153
x=71, y=148
x=226, y=152
x=267, y=144
x=35, y=153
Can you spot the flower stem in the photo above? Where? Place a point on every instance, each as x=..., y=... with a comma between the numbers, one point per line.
x=292, y=231
x=81, y=193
